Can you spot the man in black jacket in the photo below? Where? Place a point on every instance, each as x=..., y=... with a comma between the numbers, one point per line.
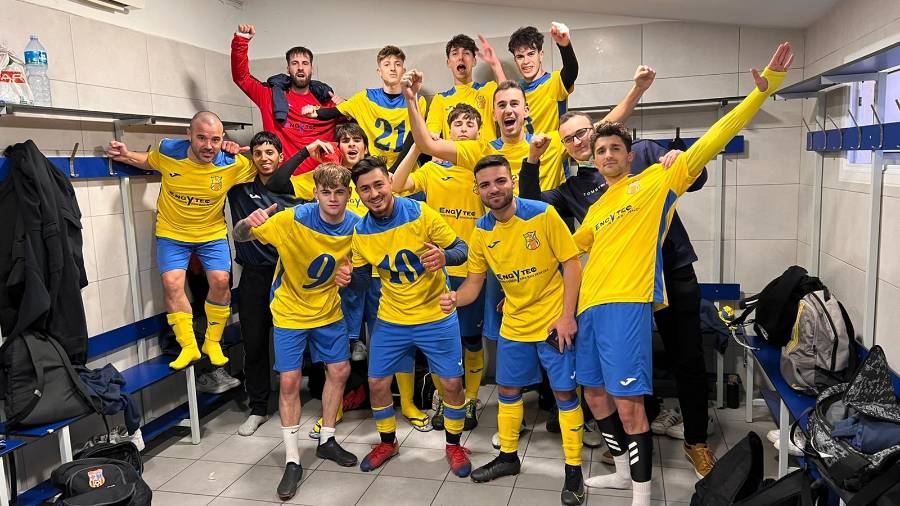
x=679, y=323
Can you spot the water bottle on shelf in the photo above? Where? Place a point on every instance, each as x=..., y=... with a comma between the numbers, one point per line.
x=36, y=71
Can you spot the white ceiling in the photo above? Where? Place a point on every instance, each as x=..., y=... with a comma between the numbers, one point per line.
x=766, y=13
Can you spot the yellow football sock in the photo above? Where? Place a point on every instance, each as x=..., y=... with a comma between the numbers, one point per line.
x=509, y=421
x=183, y=325
x=216, y=318
x=406, y=385
x=474, y=371
x=454, y=418
x=437, y=384
x=385, y=421
x=571, y=426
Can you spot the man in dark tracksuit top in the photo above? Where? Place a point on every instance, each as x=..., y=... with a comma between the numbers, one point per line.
x=258, y=263
x=679, y=323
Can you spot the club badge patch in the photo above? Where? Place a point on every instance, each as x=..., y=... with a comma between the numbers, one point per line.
x=531, y=240
x=95, y=478
x=215, y=183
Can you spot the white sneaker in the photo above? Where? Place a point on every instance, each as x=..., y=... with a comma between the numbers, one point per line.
x=677, y=431
x=222, y=376
x=358, y=350
x=495, y=439
x=665, y=419
x=774, y=435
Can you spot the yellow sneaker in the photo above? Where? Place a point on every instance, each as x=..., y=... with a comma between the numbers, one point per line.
x=701, y=457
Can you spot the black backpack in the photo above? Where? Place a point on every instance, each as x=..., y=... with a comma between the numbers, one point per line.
x=776, y=305
x=100, y=481
x=37, y=381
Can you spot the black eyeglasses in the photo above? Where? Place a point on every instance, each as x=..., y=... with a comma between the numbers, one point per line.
x=577, y=136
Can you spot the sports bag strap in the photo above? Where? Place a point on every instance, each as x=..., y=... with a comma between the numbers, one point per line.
x=77, y=381
x=876, y=487
x=39, y=376
x=791, y=435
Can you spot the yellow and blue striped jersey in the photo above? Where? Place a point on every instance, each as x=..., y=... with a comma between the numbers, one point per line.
x=304, y=187
x=554, y=161
x=450, y=190
x=192, y=196
x=409, y=294
x=624, y=230
x=478, y=95
x=547, y=100
x=525, y=254
x=304, y=295
x=383, y=118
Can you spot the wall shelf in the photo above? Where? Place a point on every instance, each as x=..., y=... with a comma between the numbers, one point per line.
x=123, y=119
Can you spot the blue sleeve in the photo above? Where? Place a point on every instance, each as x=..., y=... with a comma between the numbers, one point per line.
x=646, y=153
x=361, y=277
x=456, y=253
x=699, y=182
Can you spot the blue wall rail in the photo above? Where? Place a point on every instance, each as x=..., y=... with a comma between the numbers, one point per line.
x=866, y=138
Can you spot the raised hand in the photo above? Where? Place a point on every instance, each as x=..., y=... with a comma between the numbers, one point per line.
x=486, y=53
x=318, y=149
x=433, y=259
x=233, y=148
x=565, y=328
x=260, y=216
x=644, y=76
x=248, y=30
x=669, y=158
x=448, y=302
x=780, y=62
x=118, y=151
x=344, y=273
x=560, y=33
x=411, y=82
x=537, y=147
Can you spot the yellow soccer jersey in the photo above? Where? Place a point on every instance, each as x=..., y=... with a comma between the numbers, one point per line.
x=547, y=100
x=554, y=161
x=303, y=189
x=409, y=294
x=193, y=195
x=310, y=250
x=478, y=95
x=525, y=255
x=624, y=230
x=384, y=119
x=450, y=190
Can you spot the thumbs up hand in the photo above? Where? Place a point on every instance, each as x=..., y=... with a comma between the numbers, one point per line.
x=259, y=216
x=344, y=273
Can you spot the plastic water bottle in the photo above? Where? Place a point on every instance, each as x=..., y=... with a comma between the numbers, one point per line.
x=36, y=71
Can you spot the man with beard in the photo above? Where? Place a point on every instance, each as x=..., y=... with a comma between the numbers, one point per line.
x=294, y=130
x=196, y=176
x=410, y=244
x=461, y=52
x=529, y=249
x=623, y=233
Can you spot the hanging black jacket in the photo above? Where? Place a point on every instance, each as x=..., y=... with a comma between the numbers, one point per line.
x=41, y=262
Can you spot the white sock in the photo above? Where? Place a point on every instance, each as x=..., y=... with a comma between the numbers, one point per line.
x=251, y=424
x=291, y=450
x=640, y=493
x=138, y=439
x=621, y=479
x=325, y=433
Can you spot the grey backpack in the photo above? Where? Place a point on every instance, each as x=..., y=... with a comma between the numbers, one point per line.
x=822, y=351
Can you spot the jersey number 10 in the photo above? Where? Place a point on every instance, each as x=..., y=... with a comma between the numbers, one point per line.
x=407, y=264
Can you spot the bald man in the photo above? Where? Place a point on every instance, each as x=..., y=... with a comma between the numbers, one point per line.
x=196, y=176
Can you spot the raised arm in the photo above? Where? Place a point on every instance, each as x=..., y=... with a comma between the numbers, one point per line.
x=240, y=64
x=402, y=182
x=569, y=71
x=643, y=78
x=489, y=56
x=441, y=148
x=119, y=152
x=243, y=230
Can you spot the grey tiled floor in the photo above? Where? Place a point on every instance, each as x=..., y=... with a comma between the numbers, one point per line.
x=228, y=469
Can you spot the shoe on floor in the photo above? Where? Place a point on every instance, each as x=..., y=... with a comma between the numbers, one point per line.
x=495, y=439
x=216, y=382
x=358, y=350
x=331, y=450
x=592, y=437
x=437, y=405
x=252, y=423
x=793, y=449
x=573, y=493
x=496, y=468
x=287, y=487
x=665, y=419
x=471, y=420
x=677, y=431
x=701, y=457
x=458, y=458
x=381, y=453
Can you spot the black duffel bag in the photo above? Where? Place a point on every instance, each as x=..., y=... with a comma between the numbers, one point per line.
x=100, y=481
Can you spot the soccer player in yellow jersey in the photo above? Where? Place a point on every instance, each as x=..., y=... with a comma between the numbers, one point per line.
x=623, y=232
x=547, y=92
x=410, y=245
x=381, y=112
x=461, y=52
x=360, y=307
x=196, y=176
x=312, y=240
x=530, y=251
x=449, y=190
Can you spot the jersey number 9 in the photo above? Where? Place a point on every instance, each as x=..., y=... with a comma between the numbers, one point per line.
x=320, y=270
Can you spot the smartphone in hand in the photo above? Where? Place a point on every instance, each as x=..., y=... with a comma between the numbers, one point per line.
x=553, y=340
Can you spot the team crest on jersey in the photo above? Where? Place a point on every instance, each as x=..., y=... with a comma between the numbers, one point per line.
x=531, y=240
x=95, y=478
x=634, y=187
x=481, y=101
x=215, y=183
